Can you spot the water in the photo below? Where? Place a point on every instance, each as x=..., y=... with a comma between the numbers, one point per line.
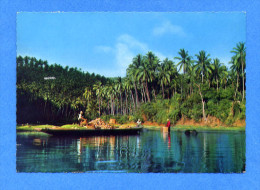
x=151, y=151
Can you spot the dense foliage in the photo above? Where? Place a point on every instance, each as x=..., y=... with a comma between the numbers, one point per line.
x=153, y=90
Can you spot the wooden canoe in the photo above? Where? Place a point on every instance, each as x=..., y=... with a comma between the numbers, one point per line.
x=92, y=132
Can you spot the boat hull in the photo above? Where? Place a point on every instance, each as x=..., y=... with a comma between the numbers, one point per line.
x=93, y=132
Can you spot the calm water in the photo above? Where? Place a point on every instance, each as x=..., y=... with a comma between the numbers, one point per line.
x=151, y=151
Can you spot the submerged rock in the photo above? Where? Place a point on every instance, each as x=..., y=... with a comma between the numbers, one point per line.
x=191, y=132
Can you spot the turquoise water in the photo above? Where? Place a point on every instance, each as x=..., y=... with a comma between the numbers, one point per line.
x=151, y=151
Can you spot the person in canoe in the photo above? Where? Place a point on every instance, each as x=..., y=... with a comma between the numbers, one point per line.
x=138, y=123
x=81, y=119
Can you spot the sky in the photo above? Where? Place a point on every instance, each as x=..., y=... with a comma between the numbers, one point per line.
x=105, y=42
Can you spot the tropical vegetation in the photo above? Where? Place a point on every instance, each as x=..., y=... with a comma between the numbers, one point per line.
x=195, y=87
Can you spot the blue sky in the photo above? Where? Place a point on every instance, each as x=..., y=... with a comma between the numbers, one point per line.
x=105, y=43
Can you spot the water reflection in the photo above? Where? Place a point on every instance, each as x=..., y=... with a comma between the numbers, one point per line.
x=151, y=151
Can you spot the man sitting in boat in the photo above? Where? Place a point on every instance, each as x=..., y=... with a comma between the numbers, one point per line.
x=81, y=119
x=138, y=123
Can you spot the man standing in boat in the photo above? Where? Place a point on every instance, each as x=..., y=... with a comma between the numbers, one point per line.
x=168, y=124
x=81, y=118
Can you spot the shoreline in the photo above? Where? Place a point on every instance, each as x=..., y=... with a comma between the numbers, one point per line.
x=146, y=125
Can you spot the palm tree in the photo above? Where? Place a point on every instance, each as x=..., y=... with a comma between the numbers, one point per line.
x=203, y=64
x=154, y=74
x=192, y=77
x=119, y=87
x=240, y=56
x=144, y=73
x=132, y=73
x=127, y=83
x=164, y=74
x=88, y=93
x=185, y=60
x=97, y=88
x=235, y=68
x=224, y=76
x=217, y=69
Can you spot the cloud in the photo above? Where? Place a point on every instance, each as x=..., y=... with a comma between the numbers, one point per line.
x=132, y=42
x=124, y=50
x=168, y=27
x=124, y=56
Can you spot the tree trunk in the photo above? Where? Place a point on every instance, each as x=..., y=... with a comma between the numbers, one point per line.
x=202, y=76
x=163, y=90
x=154, y=93
x=217, y=84
x=121, y=103
x=237, y=84
x=99, y=106
x=133, y=99
x=126, y=104
x=147, y=91
x=143, y=93
x=203, y=104
x=136, y=95
x=108, y=107
x=243, y=81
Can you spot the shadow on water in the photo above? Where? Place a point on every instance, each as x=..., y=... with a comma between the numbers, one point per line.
x=151, y=151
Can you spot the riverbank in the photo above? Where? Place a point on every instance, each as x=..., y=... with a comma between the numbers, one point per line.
x=147, y=125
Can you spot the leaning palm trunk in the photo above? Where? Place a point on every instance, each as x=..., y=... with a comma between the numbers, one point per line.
x=143, y=93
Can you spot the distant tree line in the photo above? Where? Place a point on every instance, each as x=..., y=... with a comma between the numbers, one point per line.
x=194, y=87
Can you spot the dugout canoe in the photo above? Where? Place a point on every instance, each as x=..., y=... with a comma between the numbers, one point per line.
x=92, y=132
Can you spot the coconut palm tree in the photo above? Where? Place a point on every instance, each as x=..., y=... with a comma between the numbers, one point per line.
x=240, y=56
x=132, y=73
x=185, y=60
x=144, y=73
x=203, y=64
x=164, y=74
x=235, y=68
x=217, y=69
x=88, y=93
x=97, y=87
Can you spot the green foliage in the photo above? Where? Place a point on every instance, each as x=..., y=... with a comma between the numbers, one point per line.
x=242, y=110
x=224, y=110
x=153, y=90
x=149, y=110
